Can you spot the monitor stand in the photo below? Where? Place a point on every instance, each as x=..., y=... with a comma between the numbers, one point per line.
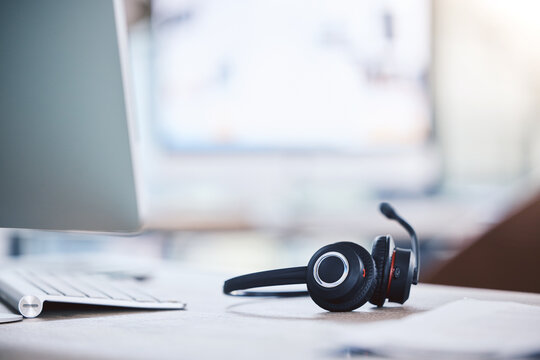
x=6, y=318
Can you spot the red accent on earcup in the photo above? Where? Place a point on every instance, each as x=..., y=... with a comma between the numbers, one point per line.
x=390, y=273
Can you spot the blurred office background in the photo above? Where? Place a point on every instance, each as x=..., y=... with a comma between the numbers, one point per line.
x=266, y=129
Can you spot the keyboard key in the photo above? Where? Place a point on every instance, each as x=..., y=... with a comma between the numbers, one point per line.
x=32, y=279
x=138, y=295
x=59, y=285
x=82, y=286
x=109, y=290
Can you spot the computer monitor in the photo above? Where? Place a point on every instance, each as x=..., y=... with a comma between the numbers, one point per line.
x=65, y=133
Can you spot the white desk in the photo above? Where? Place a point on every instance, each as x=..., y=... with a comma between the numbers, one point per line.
x=214, y=326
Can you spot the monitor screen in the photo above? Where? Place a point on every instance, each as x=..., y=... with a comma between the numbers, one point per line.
x=65, y=145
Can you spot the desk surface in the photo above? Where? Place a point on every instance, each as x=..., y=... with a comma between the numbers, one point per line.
x=214, y=326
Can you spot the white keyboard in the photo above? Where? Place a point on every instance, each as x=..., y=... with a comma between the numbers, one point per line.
x=27, y=290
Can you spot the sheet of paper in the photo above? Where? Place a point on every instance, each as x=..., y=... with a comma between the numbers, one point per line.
x=466, y=328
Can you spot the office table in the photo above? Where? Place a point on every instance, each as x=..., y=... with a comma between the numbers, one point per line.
x=214, y=325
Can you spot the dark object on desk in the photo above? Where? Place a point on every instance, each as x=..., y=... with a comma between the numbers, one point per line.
x=344, y=276
x=503, y=258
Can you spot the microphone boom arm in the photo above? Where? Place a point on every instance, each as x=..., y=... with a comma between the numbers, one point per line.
x=390, y=213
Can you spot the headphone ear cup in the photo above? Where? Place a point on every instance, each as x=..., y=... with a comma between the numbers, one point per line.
x=362, y=289
x=382, y=250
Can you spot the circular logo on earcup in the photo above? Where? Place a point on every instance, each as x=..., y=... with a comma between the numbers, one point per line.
x=331, y=269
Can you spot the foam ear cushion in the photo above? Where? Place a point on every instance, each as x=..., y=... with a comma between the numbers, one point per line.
x=362, y=294
x=382, y=250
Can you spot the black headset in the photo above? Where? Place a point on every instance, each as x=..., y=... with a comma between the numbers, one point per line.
x=344, y=276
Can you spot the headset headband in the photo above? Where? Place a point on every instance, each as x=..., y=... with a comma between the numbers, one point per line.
x=287, y=276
